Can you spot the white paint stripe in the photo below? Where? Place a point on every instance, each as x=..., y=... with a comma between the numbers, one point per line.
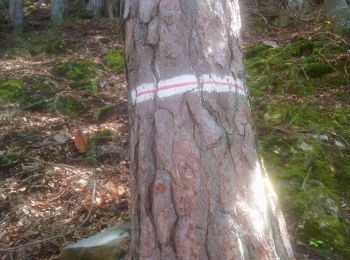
x=185, y=83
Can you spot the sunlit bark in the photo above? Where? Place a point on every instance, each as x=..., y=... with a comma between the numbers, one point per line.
x=197, y=191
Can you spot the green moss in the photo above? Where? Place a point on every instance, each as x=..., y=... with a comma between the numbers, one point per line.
x=255, y=50
x=300, y=47
x=41, y=84
x=333, y=79
x=55, y=46
x=103, y=113
x=76, y=70
x=259, y=26
x=316, y=70
x=114, y=59
x=297, y=136
x=101, y=135
x=93, y=87
x=92, y=149
x=71, y=106
x=10, y=90
x=328, y=229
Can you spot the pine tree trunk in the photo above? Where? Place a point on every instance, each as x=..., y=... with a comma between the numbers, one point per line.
x=57, y=12
x=16, y=15
x=197, y=191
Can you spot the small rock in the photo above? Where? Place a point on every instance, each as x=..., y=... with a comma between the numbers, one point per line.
x=304, y=146
x=339, y=144
x=321, y=137
x=271, y=44
x=109, y=245
x=60, y=139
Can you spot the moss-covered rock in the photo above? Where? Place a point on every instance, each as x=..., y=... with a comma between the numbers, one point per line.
x=114, y=60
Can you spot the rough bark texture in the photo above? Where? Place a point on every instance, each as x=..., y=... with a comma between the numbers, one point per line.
x=57, y=11
x=16, y=15
x=197, y=191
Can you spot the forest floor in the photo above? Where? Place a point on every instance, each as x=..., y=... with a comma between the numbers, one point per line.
x=55, y=188
x=64, y=127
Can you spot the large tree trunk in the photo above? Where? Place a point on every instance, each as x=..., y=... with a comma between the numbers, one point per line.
x=16, y=15
x=197, y=191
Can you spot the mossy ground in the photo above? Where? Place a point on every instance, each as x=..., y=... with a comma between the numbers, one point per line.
x=70, y=105
x=76, y=70
x=114, y=60
x=297, y=96
x=10, y=90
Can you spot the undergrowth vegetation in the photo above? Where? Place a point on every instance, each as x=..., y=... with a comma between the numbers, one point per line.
x=301, y=108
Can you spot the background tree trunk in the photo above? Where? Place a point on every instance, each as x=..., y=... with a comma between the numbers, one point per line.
x=197, y=191
x=95, y=6
x=16, y=15
x=57, y=12
x=338, y=11
x=296, y=4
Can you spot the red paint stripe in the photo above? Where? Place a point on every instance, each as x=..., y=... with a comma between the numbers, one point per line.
x=185, y=84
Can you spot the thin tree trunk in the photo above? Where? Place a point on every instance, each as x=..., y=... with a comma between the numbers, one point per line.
x=57, y=12
x=95, y=6
x=16, y=15
x=112, y=7
x=197, y=191
x=295, y=4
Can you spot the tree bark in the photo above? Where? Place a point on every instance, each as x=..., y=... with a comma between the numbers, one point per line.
x=197, y=191
x=16, y=15
x=57, y=12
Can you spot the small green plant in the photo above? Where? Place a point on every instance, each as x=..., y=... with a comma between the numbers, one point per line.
x=316, y=242
x=8, y=160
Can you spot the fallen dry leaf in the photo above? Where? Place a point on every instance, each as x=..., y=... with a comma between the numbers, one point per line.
x=80, y=141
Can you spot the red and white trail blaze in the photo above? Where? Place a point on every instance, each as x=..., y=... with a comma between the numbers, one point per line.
x=187, y=83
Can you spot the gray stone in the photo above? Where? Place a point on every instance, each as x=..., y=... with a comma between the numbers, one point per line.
x=111, y=244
